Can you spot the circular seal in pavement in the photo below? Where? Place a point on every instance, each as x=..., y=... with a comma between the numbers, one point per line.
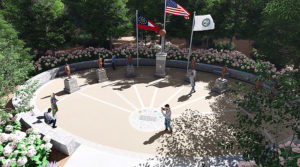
x=147, y=119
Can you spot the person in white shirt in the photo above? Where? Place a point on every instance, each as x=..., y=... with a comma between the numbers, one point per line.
x=167, y=116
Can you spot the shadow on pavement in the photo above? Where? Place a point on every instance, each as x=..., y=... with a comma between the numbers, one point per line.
x=184, y=98
x=145, y=75
x=39, y=118
x=195, y=142
x=154, y=137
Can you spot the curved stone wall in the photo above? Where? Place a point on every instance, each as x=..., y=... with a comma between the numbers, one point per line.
x=65, y=142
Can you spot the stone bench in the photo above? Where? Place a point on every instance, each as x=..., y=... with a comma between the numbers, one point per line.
x=60, y=139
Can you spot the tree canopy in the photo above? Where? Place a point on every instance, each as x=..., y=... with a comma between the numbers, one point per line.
x=279, y=32
x=273, y=25
x=15, y=61
x=102, y=19
x=41, y=23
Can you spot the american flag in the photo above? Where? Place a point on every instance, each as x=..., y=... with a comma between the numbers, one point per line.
x=175, y=9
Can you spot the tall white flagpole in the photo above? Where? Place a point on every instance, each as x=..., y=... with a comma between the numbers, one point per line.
x=137, y=40
x=189, y=55
x=163, y=38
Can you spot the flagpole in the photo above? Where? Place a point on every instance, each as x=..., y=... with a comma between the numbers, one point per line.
x=163, y=38
x=137, y=40
x=191, y=42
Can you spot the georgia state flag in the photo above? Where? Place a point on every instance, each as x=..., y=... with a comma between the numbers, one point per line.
x=144, y=23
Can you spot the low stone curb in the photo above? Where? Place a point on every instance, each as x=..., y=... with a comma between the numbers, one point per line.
x=65, y=142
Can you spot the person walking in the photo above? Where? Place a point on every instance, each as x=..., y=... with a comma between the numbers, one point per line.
x=192, y=81
x=113, y=60
x=53, y=101
x=167, y=116
x=49, y=118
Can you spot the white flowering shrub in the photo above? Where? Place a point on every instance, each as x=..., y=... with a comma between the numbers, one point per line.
x=157, y=47
x=23, y=95
x=168, y=44
x=9, y=123
x=19, y=148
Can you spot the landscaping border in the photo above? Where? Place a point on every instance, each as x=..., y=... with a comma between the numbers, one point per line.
x=65, y=142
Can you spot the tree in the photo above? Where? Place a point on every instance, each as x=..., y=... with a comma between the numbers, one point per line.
x=15, y=61
x=237, y=18
x=271, y=113
x=41, y=23
x=105, y=19
x=279, y=32
x=153, y=10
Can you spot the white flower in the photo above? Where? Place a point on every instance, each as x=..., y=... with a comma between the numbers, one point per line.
x=30, y=130
x=30, y=141
x=48, y=146
x=4, y=137
x=296, y=150
x=16, y=118
x=22, y=146
x=31, y=153
x=24, y=152
x=10, y=115
x=31, y=137
x=22, y=161
x=42, y=146
x=31, y=147
x=9, y=128
x=1, y=158
x=7, y=163
x=3, y=122
x=47, y=138
x=12, y=145
x=16, y=152
x=13, y=160
x=19, y=136
x=7, y=150
x=157, y=46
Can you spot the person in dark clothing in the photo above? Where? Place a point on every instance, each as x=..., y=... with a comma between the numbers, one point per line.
x=192, y=81
x=49, y=118
x=113, y=60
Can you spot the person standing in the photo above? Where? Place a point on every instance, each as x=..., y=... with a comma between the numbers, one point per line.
x=192, y=81
x=53, y=101
x=113, y=60
x=49, y=118
x=167, y=116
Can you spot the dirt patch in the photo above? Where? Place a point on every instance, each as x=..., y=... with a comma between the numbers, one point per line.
x=58, y=157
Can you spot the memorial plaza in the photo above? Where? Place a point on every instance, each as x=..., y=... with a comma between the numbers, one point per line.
x=165, y=83
x=121, y=118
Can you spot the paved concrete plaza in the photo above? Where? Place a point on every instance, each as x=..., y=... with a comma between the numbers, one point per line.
x=124, y=114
